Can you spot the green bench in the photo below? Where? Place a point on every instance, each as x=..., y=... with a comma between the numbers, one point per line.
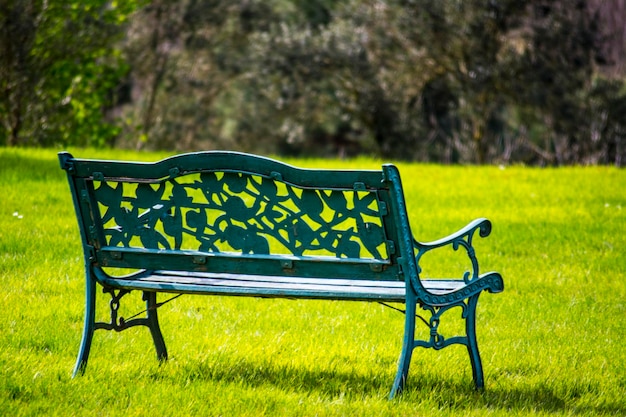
x=227, y=223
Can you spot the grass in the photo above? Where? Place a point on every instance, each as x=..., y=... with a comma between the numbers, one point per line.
x=552, y=343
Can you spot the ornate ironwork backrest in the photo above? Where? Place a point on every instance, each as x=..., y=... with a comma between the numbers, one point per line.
x=226, y=203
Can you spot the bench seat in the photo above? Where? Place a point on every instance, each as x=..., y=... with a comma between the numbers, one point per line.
x=275, y=286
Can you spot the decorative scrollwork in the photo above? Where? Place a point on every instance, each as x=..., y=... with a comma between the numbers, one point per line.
x=461, y=239
x=437, y=340
x=238, y=212
x=116, y=323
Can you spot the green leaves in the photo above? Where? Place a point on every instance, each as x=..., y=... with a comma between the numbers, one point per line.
x=60, y=70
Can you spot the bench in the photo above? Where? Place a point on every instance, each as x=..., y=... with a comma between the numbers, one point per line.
x=228, y=223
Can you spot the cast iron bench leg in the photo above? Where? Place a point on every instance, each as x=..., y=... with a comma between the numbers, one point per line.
x=89, y=326
x=153, y=325
x=472, y=345
x=408, y=345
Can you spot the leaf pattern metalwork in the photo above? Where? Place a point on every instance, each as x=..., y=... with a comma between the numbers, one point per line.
x=238, y=212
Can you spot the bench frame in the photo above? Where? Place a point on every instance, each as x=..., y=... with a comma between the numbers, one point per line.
x=164, y=266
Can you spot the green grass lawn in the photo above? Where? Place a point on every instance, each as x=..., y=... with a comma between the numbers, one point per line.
x=552, y=342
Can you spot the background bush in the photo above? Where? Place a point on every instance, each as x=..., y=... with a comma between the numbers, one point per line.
x=478, y=81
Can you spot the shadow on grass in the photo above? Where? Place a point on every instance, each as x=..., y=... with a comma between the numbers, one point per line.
x=18, y=164
x=326, y=382
x=458, y=395
x=448, y=394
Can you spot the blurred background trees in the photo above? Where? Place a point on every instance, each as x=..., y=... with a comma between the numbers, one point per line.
x=452, y=81
x=60, y=64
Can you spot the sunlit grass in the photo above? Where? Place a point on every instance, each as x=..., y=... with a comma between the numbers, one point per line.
x=552, y=342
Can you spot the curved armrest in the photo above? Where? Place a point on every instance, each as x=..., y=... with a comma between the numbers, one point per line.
x=483, y=225
x=461, y=238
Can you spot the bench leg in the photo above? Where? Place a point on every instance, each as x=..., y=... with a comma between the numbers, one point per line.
x=88, y=327
x=408, y=345
x=153, y=324
x=472, y=345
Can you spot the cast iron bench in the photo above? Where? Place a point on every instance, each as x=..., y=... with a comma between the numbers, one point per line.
x=227, y=223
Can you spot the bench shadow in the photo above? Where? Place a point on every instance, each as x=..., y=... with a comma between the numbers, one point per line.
x=326, y=382
x=536, y=398
x=456, y=395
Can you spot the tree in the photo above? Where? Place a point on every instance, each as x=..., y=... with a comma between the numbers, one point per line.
x=58, y=67
x=472, y=81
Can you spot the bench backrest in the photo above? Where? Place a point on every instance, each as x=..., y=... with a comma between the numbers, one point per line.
x=237, y=213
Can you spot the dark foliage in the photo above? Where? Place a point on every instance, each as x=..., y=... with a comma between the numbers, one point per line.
x=477, y=81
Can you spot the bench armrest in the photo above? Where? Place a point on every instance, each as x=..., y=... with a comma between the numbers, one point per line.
x=461, y=238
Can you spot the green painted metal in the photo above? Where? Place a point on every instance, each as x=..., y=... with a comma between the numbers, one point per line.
x=227, y=223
